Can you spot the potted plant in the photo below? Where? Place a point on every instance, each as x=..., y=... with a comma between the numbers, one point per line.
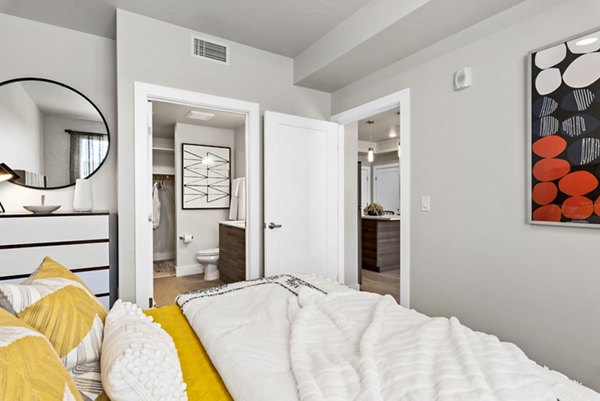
x=374, y=209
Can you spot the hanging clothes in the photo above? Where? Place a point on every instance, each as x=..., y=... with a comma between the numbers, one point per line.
x=155, y=206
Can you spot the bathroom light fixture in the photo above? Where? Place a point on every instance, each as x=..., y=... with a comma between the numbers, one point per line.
x=587, y=41
x=199, y=115
x=393, y=134
x=371, y=153
x=6, y=174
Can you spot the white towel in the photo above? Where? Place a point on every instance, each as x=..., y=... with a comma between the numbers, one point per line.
x=242, y=199
x=155, y=207
x=237, y=207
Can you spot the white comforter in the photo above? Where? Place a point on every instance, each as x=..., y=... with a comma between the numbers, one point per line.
x=303, y=338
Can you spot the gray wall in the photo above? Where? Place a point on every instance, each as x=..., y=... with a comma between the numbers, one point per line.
x=239, y=157
x=21, y=130
x=351, y=204
x=202, y=224
x=155, y=52
x=82, y=61
x=473, y=255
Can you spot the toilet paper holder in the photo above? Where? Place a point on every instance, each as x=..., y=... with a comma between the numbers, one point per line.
x=186, y=238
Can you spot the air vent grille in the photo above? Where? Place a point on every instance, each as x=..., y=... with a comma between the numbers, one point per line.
x=209, y=50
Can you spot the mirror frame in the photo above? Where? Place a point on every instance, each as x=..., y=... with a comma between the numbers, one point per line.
x=10, y=81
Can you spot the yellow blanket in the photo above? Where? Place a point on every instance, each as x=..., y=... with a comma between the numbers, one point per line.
x=203, y=381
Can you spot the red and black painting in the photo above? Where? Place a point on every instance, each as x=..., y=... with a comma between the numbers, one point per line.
x=565, y=132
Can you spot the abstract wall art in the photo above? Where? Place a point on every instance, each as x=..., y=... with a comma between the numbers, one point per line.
x=564, y=140
x=206, y=178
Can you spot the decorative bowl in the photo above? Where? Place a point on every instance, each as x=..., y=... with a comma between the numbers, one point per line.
x=47, y=209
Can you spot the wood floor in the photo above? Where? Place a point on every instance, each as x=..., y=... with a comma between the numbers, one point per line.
x=382, y=283
x=166, y=289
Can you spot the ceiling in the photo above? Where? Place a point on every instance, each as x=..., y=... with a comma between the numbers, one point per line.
x=333, y=42
x=284, y=27
x=57, y=100
x=166, y=115
x=384, y=123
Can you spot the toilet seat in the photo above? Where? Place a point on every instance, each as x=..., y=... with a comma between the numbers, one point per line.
x=208, y=252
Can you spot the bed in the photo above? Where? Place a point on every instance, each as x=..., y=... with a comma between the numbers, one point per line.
x=286, y=337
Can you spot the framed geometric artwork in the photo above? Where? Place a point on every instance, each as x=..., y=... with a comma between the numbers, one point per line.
x=206, y=178
x=564, y=133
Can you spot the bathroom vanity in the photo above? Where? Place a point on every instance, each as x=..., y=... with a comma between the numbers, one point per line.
x=232, y=251
x=381, y=243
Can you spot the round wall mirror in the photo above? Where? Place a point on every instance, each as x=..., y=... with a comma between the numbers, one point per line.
x=50, y=134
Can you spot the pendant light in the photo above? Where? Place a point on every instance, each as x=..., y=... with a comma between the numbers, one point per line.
x=399, y=153
x=371, y=153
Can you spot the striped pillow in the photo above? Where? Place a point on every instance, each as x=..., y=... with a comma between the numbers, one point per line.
x=55, y=302
x=29, y=367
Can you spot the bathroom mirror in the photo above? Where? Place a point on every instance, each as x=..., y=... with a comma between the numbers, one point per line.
x=50, y=134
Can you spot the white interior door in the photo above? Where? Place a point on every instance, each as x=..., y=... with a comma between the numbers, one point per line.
x=365, y=186
x=387, y=186
x=300, y=195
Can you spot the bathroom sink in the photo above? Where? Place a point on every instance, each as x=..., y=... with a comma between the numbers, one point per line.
x=235, y=223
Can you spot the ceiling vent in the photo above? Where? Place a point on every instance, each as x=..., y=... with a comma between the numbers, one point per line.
x=212, y=51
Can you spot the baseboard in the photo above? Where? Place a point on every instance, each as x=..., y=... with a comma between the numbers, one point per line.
x=163, y=256
x=188, y=270
x=354, y=286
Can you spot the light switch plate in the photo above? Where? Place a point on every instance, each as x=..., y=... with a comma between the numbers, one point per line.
x=425, y=203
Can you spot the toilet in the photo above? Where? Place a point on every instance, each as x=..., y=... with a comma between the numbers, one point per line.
x=209, y=260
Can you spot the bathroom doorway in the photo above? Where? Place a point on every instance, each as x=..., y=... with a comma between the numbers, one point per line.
x=198, y=198
x=140, y=245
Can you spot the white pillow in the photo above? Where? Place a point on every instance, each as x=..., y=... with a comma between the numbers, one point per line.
x=139, y=360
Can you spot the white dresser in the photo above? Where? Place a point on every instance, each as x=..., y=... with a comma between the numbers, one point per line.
x=78, y=241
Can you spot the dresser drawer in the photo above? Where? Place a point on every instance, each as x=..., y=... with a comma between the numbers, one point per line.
x=78, y=241
x=52, y=229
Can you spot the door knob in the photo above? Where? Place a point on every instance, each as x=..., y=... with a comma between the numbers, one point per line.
x=273, y=226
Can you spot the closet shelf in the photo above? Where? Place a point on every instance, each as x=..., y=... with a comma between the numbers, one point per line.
x=163, y=170
x=162, y=149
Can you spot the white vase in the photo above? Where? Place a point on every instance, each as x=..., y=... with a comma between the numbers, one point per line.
x=83, y=200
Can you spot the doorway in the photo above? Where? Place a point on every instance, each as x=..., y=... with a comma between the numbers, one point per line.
x=198, y=198
x=388, y=150
x=146, y=95
x=379, y=233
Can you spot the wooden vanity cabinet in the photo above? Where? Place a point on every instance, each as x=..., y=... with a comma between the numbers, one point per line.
x=232, y=253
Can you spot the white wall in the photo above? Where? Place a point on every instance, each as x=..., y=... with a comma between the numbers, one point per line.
x=82, y=61
x=473, y=255
x=159, y=53
x=202, y=224
x=21, y=130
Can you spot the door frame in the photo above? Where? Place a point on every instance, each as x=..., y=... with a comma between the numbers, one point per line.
x=399, y=99
x=382, y=166
x=370, y=170
x=145, y=92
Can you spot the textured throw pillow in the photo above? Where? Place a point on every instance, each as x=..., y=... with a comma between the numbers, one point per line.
x=29, y=367
x=55, y=302
x=139, y=359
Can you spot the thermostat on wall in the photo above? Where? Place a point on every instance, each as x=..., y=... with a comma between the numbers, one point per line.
x=463, y=78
